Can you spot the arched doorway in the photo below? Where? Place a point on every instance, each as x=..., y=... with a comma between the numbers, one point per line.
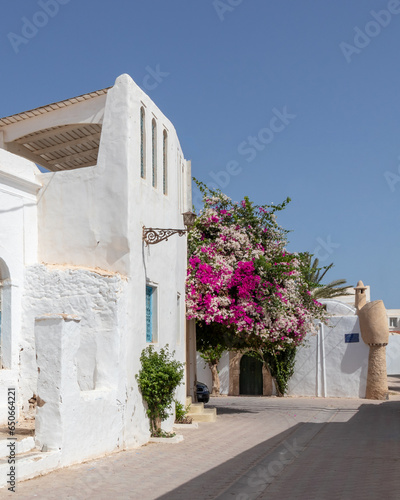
x=251, y=376
x=5, y=316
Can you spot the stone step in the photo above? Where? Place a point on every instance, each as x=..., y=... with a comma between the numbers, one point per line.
x=23, y=445
x=207, y=415
x=172, y=440
x=188, y=400
x=196, y=408
x=193, y=425
x=28, y=465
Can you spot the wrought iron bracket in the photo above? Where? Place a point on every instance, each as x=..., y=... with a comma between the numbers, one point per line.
x=153, y=235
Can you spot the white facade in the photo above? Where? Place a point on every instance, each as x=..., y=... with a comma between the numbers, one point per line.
x=74, y=267
x=393, y=319
x=204, y=372
x=393, y=354
x=334, y=361
x=18, y=249
x=351, y=298
x=392, y=314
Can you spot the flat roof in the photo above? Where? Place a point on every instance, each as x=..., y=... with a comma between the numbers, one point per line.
x=8, y=120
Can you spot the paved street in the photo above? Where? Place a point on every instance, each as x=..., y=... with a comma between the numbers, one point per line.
x=264, y=448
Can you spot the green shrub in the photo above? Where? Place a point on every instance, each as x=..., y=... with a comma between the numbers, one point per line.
x=180, y=413
x=281, y=367
x=158, y=378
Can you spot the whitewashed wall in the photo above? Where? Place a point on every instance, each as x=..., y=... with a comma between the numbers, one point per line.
x=93, y=217
x=327, y=366
x=18, y=248
x=393, y=354
x=85, y=256
x=98, y=300
x=75, y=416
x=204, y=372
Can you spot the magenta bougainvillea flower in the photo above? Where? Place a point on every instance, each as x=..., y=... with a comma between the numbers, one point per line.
x=240, y=275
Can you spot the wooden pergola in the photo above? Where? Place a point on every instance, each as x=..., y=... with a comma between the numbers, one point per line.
x=61, y=147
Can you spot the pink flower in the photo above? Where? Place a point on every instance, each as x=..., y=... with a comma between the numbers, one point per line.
x=227, y=285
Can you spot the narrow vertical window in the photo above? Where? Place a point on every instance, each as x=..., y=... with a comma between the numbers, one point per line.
x=178, y=318
x=180, y=180
x=165, y=162
x=154, y=152
x=142, y=144
x=151, y=314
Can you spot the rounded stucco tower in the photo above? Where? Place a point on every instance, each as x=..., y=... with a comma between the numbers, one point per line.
x=375, y=333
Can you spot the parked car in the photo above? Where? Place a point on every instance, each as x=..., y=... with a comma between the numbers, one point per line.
x=203, y=394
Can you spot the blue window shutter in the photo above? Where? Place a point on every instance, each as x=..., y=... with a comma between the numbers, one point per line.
x=149, y=313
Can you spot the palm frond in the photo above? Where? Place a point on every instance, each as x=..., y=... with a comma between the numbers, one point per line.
x=331, y=290
x=315, y=275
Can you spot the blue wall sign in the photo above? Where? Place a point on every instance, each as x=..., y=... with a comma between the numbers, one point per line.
x=349, y=338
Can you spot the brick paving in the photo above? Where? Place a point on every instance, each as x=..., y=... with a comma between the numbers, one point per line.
x=264, y=448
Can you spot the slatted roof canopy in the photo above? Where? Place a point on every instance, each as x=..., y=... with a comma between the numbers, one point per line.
x=51, y=107
x=63, y=147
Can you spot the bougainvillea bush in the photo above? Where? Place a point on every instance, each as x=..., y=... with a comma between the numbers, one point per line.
x=241, y=276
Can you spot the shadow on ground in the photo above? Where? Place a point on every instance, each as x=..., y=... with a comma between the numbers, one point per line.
x=357, y=458
x=227, y=410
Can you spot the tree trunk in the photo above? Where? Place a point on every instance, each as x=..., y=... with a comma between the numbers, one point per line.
x=156, y=425
x=278, y=392
x=216, y=385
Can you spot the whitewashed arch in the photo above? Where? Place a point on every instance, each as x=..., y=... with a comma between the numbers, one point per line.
x=5, y=315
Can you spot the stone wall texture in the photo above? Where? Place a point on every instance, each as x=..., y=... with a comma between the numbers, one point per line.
x=97, y=300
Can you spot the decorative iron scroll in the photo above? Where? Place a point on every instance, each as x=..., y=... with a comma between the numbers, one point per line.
x=154, y=235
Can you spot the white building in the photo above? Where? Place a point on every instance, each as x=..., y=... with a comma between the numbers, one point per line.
x=393, y=348
x=394, y=320
x=350, y=298
x=392, y=314
x=333, y=362
x=82, y=294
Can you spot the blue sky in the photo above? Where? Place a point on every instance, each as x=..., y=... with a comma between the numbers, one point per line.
x=269, y=99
